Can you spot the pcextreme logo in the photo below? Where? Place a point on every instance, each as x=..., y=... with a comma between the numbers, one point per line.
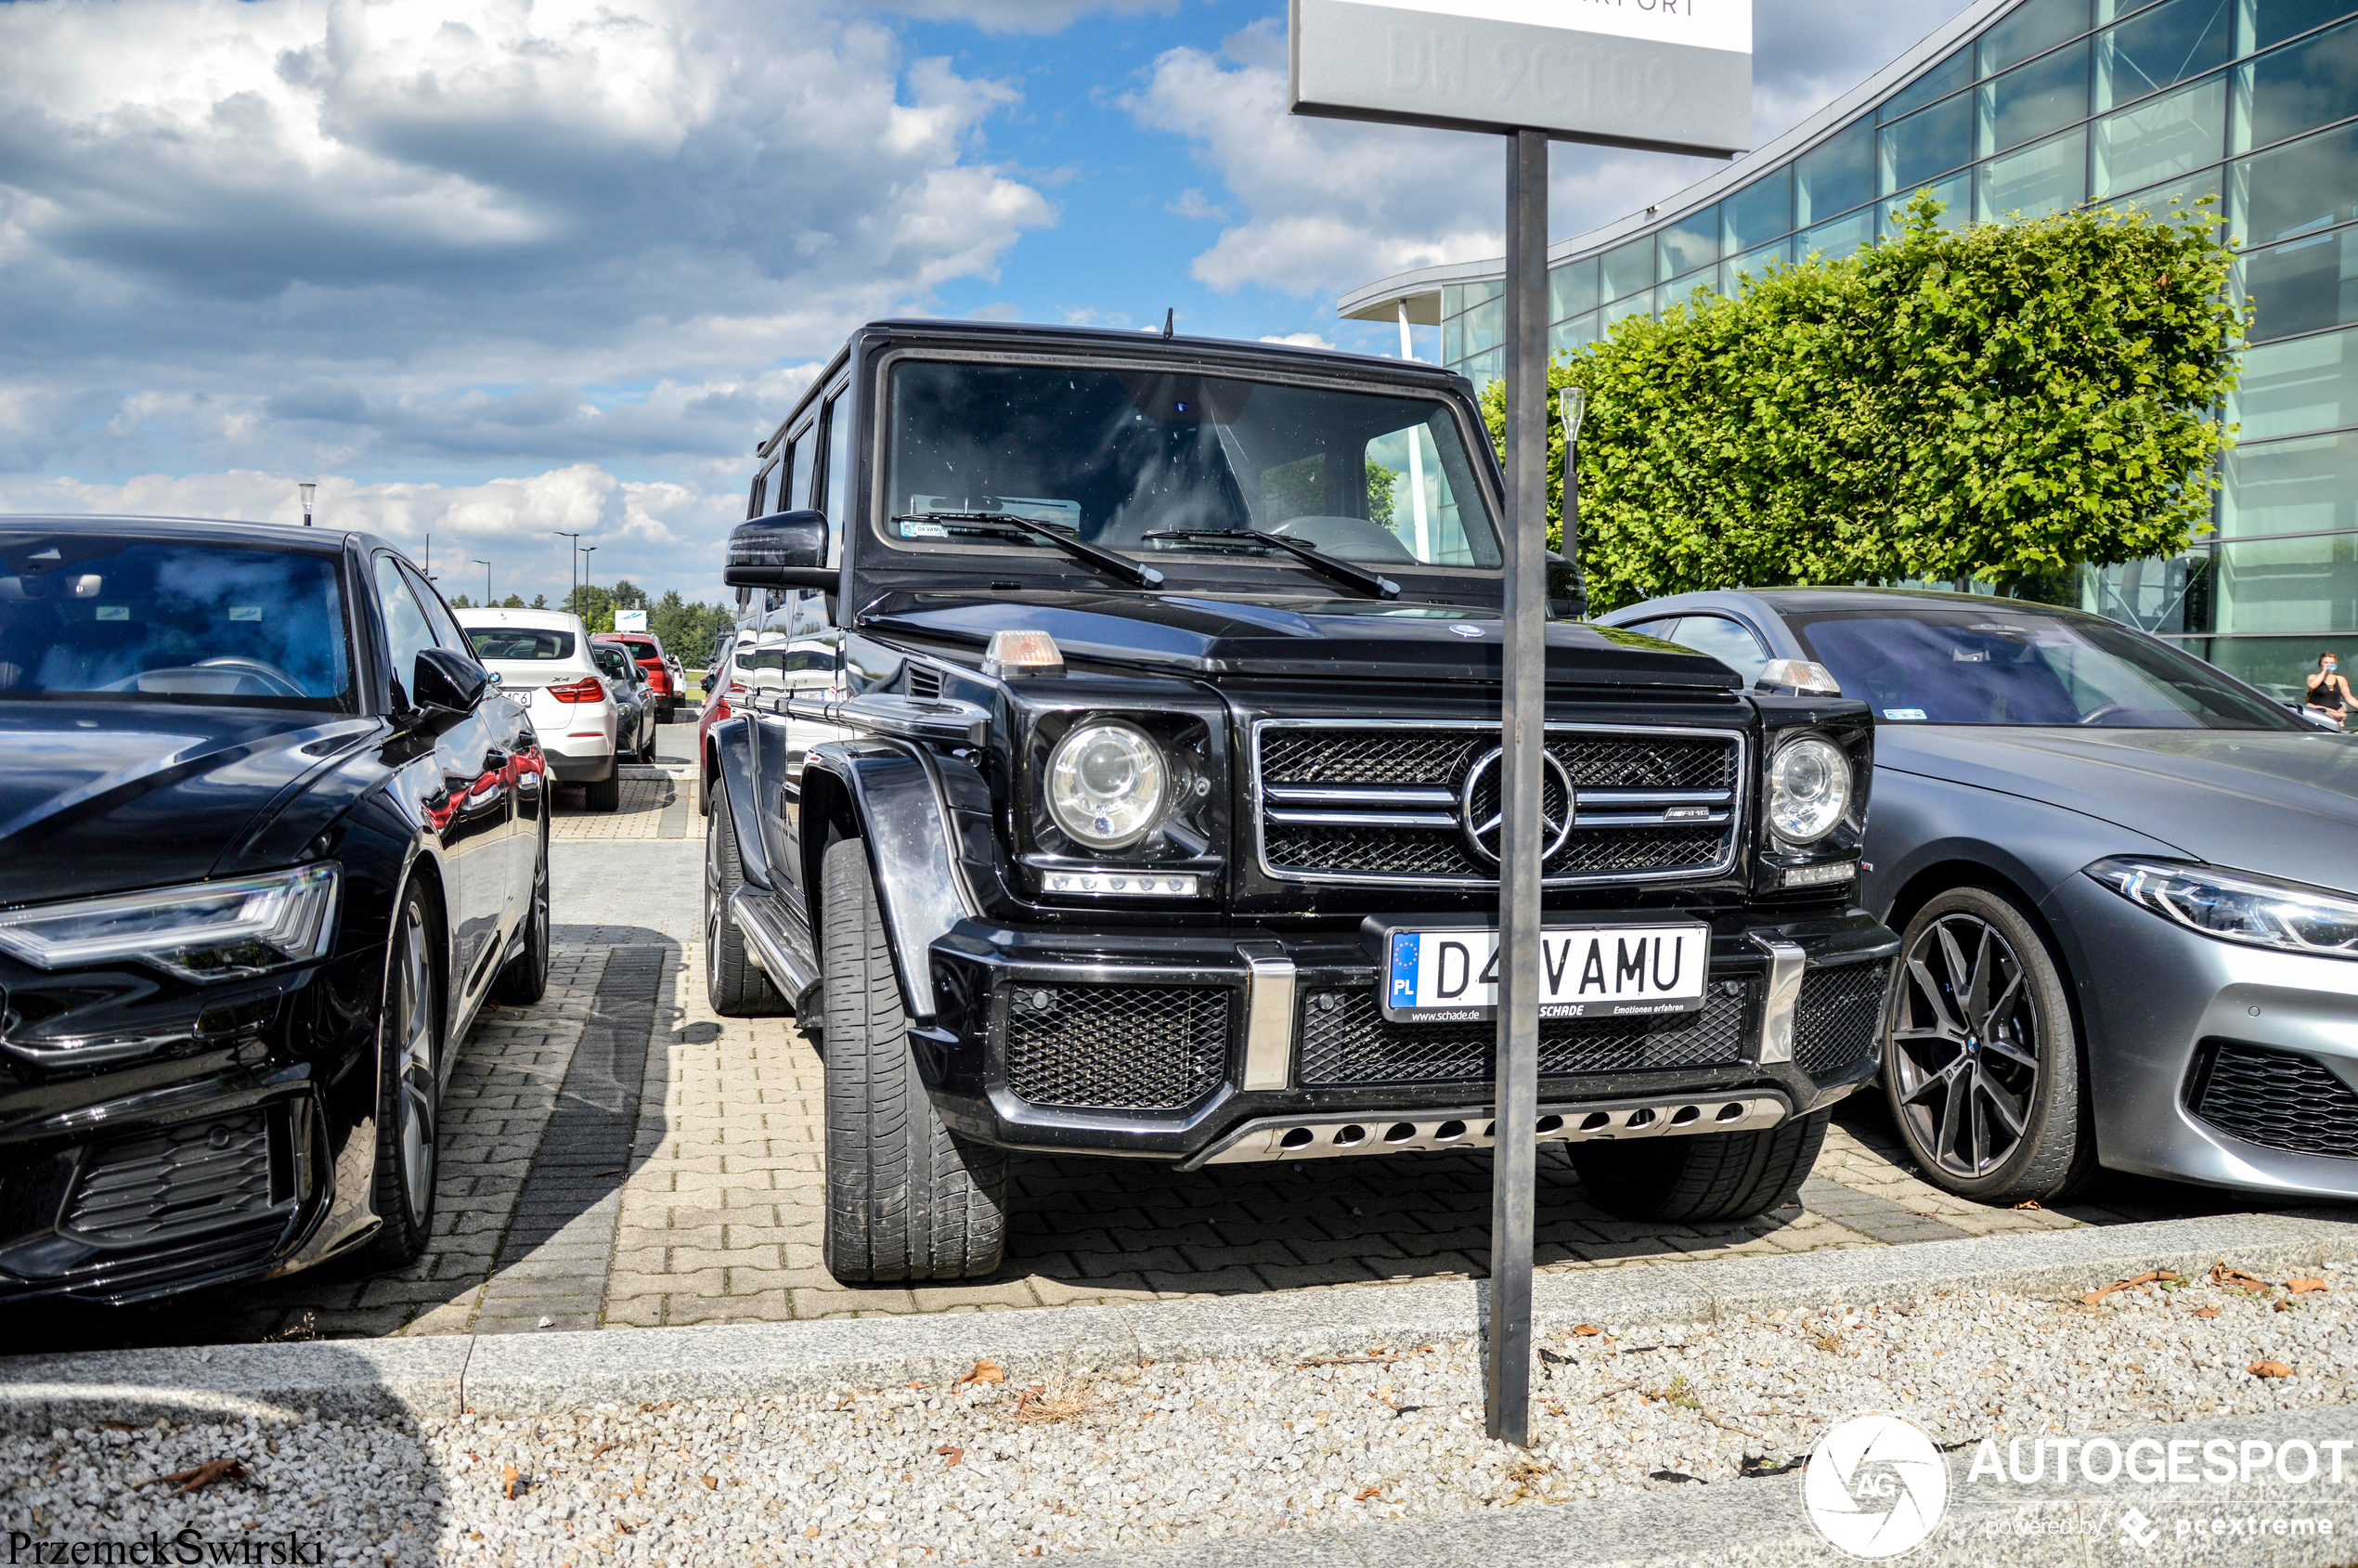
x=1876, y=1486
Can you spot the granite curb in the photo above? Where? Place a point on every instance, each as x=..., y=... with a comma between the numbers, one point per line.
x=523, y=1374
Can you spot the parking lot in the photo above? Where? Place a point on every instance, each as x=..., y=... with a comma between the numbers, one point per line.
x=620, y=1156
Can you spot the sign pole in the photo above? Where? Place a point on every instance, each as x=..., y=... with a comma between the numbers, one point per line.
x=1522, y=737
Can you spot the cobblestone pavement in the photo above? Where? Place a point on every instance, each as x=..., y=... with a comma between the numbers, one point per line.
x=620, y=1155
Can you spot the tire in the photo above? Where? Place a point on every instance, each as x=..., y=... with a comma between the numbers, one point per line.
x=525, y=979
x=606, y=793
x=410, y=1055
x=1968, y=949
x=733, y=984
x=1703, y=1178
x=907, y=1198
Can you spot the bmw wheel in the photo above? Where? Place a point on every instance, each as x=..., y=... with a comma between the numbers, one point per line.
x=1981, y=1063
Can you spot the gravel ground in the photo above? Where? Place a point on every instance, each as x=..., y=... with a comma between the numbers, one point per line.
x=1183, y=1451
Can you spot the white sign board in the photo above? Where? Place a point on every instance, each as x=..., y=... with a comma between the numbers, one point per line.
x=630, y=620
x=1671, y=75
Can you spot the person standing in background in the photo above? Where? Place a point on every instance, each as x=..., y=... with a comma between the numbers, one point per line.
x=2329, y=691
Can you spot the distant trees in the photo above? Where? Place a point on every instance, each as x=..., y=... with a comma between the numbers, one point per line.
x=2002, y=402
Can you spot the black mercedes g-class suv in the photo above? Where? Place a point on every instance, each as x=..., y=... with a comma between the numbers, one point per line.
x=1116, y=770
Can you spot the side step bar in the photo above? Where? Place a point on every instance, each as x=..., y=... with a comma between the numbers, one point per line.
x=770, y=943
x=1331, y=1136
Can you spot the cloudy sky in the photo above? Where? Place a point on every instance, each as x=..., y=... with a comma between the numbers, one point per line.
x=491, y=270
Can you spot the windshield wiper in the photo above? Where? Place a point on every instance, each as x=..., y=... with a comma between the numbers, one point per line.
x=1340, y=571
x=1007, y=524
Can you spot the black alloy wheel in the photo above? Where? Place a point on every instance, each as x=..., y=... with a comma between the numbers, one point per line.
x=409, y=1087
x=1982, y=1068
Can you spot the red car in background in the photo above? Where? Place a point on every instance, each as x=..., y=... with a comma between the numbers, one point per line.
x=646, y=648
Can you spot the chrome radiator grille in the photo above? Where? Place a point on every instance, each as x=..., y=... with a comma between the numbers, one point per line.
x=1404, y=801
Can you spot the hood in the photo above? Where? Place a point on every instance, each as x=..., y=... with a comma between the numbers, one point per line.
x=2282, y=804
x=1326, y=639
x=102, y=798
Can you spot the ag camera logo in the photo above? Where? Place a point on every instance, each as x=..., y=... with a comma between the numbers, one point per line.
x=1876, y=1486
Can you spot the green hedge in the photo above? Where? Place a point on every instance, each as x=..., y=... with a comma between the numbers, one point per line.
x=2003, y=402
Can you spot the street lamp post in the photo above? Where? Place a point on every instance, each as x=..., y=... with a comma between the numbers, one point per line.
x=573, y=560
x=486, y=579
x=306, y=486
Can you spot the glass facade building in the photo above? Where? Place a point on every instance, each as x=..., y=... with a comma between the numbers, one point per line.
x=2032, y=106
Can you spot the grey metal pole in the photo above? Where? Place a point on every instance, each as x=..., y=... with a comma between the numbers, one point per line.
x=1523, y=736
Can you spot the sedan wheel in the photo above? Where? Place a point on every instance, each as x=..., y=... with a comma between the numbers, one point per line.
x=1982, y=1064
x=409, y=1087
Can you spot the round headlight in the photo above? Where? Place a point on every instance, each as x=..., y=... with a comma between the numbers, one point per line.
x=1106, y=785
x=1809, y=790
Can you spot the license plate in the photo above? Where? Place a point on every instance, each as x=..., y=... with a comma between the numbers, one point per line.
x=1585, y=972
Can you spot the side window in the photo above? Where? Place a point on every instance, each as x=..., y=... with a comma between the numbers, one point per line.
x=758, y=503
x=798, y=471
x=1662, y=628
x=446, y=627
x=408, y=632
x=1732, y=646
x=837, y=478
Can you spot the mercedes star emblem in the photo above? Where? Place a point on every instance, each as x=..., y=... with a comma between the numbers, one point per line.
x=1482, y=836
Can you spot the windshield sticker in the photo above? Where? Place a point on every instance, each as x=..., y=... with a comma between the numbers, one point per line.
x=245, y=612
x=1915, y=713
x=915, y=530
x=114, y=612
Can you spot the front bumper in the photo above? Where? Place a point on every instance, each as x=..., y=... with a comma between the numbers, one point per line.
x=2209, y=1061
x=196, y=1147
x=1248, y=1043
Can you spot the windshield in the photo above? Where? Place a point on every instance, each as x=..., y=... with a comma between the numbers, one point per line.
x=92, y=615
x=520, y=644
x=1115, y=458
x=1971, y=666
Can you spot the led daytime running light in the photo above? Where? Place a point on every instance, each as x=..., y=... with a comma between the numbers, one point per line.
x=2238, y=906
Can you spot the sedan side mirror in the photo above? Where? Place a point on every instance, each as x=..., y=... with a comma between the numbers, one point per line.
x=784, y=549
x=445, y=686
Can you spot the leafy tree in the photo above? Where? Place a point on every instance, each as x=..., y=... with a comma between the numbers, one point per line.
x=513, y=601
x=594, y=604
x=687, y=630
x=2002, y=402
x=460, y=602
x=1380, y=481
x=539, y=601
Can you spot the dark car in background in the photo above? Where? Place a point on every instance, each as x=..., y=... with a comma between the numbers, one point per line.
x=663, y=671
x=633, y=697
x=270, y=837
x=1118, y=768
x=2129, y=885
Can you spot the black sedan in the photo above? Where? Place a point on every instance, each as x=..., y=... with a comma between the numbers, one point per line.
x=269, y=838
x=2129, y=885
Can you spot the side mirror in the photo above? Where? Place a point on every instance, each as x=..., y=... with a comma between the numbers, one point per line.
x=447, y=686
x=784, y=549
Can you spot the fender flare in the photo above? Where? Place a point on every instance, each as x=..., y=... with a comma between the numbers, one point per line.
x=731, y=740
x=892, y=793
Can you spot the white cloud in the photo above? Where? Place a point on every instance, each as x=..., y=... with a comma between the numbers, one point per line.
x=1022, y=16
x=287, y=232
x=1326, y=205
x=1299, y=340
x=660, y=532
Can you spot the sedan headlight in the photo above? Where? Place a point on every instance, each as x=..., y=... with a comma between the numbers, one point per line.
x=2238, y=906
x=1809, y=789
x=205, y=931
x=1106, y=785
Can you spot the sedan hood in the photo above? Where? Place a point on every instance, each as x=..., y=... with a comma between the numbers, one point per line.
x=1350, y=638
x=101, y=797
x=2283, y=804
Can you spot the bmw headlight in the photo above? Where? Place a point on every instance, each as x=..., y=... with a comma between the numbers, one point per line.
x=1809, y=789
x=1106, y=785
x=2238, y=906
x=205, y=931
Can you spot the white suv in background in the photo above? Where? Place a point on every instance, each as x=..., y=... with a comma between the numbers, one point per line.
x=542, y=658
